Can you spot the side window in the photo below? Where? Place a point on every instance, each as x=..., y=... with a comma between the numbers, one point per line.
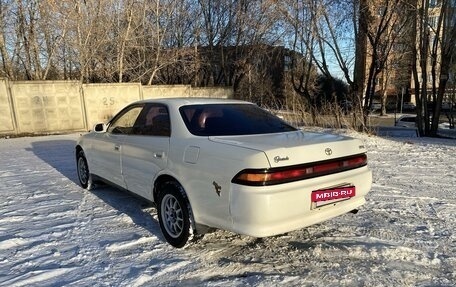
x=154, y=121
x=123, y=124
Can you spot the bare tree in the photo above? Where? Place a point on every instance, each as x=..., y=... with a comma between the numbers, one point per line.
x=5, y=33
x=91, y=42
x=29, y=39
x=435, y=38
x=318, y=31
x=385, y=24
x=231, y=38
x=124, y=37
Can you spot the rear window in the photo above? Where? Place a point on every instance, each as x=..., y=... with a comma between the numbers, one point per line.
x=231, y=119
x=409, y=119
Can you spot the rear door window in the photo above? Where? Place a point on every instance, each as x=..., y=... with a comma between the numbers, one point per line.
x=153, y=121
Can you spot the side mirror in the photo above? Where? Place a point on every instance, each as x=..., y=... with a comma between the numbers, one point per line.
x=99, y=128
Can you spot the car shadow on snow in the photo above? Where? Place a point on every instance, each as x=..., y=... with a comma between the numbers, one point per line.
x=60, y=154
x=142, y=212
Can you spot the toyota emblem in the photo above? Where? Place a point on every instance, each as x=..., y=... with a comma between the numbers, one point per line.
x=328, y=151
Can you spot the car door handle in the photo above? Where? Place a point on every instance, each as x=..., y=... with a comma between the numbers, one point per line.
x=158, y=155
x=117, y=147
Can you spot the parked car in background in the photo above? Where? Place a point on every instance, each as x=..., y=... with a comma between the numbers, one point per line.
x=447, y=106
x=225, y=164
x=406, y=121
x=376, y=106
x=391, y=106
x=408, y=106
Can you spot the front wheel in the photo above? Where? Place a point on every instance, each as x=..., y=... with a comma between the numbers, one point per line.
x=173, y=215
x=84, y=176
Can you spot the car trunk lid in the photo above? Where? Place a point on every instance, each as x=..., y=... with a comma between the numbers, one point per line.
x=298, y=147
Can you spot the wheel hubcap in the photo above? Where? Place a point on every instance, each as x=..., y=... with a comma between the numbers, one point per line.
x=172, y=215
x=82, y=171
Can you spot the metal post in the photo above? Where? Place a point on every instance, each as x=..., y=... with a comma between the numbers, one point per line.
x=402, y=98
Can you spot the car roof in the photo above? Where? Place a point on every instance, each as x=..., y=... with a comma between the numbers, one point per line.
x=184, y=101
x=406, y=116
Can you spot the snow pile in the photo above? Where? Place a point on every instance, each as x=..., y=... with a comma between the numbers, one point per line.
x=54, y=233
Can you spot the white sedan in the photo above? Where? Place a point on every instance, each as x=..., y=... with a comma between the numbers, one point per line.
x=406, y=121
x=226, y=164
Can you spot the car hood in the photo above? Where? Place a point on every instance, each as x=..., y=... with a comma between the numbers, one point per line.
x=298, y=147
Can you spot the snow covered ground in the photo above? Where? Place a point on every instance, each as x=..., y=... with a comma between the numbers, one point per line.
x=54, y=233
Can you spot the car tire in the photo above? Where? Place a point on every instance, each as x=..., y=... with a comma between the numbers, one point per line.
x=174, y=214
x=84, y=176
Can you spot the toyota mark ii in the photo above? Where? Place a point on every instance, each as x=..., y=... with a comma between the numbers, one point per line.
x=224, y=164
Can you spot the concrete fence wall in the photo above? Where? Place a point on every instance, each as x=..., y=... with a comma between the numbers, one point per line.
x=6, y=112
x=103, y=101
x=37, y=107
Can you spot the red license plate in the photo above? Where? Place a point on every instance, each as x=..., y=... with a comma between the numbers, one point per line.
x=333, y=193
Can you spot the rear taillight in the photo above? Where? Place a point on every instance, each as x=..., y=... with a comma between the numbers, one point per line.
x=271, y=176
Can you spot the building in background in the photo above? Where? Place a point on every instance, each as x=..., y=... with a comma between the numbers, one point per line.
x=395, y=83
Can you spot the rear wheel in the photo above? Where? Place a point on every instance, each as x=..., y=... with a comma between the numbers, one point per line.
x=174, y=214
x=84, y=176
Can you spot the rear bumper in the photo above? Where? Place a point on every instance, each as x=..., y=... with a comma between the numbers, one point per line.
x=272, y=210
